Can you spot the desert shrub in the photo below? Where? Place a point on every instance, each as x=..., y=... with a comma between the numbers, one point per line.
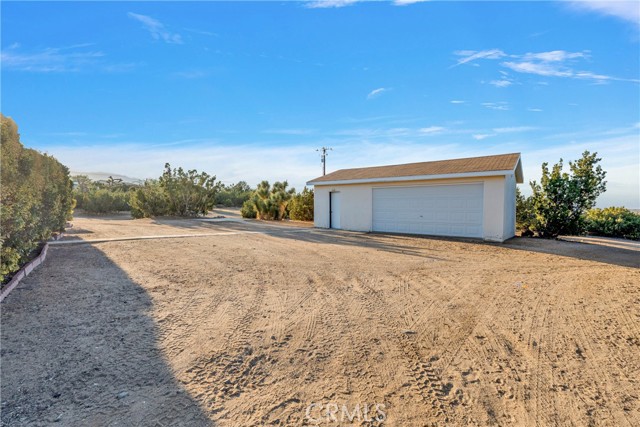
x=103, y=200
x=233, y=195
x=248, y=210
x=560, y=200
x=270, y=202
x=177, y=192
x=613, y=222
x=301, y=206
x=188, y=193
x=525, y=214
x=148, y=200
x=36, y=198
x=99, y=197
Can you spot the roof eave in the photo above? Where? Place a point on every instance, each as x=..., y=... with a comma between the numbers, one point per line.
x=518, y=171
x=422, y=177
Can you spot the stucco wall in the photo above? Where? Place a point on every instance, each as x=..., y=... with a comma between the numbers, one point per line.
x=509, y=207
x=493, y=221
x=357, y=203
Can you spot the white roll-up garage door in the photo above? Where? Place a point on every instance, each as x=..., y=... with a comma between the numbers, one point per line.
x=440, y=210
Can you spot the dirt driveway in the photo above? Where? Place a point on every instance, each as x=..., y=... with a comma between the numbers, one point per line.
x=252, y=324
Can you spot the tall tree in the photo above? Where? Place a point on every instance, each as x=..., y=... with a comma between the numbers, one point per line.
x=560, y=199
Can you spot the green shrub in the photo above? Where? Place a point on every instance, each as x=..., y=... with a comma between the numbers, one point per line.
x=233, y=195
x=148, y=201
x=188, y=193
x=301, y=206
x=36, y=198
x=101, y=196
x=561, y=199
x=613, y=222
x=103, y=200
x=248, y=210
x=525, y=214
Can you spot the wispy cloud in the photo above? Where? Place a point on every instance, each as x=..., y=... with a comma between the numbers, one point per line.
x=156, y=28
x=626, y=10
x=515, y=129
x=431, y=130
x=540, y=68
x=407, y=2
x=481, y=136
x=535, y=110
x=323, y=4
x=74, y=58
x=457, y=101
x=555, y=63
x=326, y=4
x=289, y=131
x=377, y=92
x=467, y=56
x=501, y=83
x=501, y=131
x=500, y=106
x=554, y=56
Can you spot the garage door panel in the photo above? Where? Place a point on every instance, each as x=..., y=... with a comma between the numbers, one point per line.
x=447, y=210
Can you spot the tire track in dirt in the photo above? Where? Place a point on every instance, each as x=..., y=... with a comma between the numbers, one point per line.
x=230, y=372
x=591, y=349
x=424, y=380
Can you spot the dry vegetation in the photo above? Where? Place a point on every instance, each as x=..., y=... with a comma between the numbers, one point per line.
x=249, y=329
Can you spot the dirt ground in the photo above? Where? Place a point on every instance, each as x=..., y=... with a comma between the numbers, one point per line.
x=275, y=325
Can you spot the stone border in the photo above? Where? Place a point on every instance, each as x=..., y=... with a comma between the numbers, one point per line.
x=27, y=268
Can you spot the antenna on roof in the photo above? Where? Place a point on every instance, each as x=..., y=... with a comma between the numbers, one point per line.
x=323, y=158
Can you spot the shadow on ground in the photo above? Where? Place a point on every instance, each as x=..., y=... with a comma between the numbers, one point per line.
x=608, y=255
x=80, y=349
x=410, y=244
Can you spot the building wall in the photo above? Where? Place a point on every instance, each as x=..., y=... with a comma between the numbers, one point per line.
x=510, y=207
x=356, y=211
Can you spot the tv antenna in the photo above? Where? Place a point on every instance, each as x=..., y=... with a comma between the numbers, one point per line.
x=323, y=158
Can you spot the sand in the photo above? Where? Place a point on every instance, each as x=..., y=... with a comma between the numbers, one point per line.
x=293, y=326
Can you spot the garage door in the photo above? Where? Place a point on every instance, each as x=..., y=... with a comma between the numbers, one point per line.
x=440, y=210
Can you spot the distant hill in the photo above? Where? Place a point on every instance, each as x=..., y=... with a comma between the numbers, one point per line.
x=103, y=176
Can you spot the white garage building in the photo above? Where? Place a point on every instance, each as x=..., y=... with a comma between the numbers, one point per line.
x=472, y=197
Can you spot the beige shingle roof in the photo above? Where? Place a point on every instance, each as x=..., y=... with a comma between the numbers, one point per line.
x=501, y=162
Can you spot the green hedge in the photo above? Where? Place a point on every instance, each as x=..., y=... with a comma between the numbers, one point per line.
x=613, y=222
x=36, y=198
x=104, y=200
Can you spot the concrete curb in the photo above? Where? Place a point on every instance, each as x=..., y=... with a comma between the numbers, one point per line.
x=27, y=269
x=173, y=236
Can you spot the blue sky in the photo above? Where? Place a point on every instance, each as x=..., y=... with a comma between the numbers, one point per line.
x=249, y=90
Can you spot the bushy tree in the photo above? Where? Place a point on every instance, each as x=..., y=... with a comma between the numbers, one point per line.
x=149, y=200
x=233, y=195
x=177, y=192
x=613, y=222
x=270, y=202
x=301, y=206
x=36, y=198
x=525, y=215
x=560, y=200
x=188, y=193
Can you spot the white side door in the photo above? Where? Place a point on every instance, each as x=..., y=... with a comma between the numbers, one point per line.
x=335, y=209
